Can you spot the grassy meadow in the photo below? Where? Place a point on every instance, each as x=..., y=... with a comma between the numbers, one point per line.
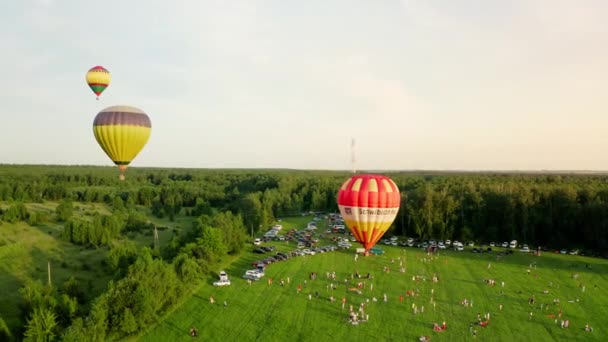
x=263, y=312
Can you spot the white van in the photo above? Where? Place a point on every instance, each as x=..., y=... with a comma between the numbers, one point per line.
x=257, y=242
x=513, y=244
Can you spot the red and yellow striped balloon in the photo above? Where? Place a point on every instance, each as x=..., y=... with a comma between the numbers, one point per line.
x=369, y=204
x=98, y=79
x=122, y=132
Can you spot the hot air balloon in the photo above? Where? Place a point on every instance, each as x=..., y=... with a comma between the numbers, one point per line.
x=369, y=203
x=122, y=132
x=98, y=79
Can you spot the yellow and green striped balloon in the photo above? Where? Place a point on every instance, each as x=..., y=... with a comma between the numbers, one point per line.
x=98, y=79
x=122, y=132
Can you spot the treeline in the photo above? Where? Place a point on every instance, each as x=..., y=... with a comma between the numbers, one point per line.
x=549, y=210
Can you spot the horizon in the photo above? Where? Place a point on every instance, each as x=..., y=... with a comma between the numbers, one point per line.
x=420, y=85
x=599, y=172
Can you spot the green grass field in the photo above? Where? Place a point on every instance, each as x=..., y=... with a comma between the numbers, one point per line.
x=263, y=312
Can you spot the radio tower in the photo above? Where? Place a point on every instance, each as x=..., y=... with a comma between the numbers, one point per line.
x=352, y=156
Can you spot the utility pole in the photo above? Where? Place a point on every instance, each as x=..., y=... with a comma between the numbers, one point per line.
x=252, y=231
x=156, y=243
x=49, y=271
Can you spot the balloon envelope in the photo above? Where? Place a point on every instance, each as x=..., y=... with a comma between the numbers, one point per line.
x=122, y=132
x=369, y=204
x=98, y=79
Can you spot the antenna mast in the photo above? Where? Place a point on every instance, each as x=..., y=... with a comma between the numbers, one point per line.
x=352, y=156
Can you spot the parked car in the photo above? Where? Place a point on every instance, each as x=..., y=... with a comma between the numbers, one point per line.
x=221, y=283
x=253, y=274
x=376, y=250
x=257, y=242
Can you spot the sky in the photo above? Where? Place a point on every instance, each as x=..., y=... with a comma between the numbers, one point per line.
x=419, y=84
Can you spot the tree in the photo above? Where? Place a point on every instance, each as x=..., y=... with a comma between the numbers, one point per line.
x=68, y=307
x=187, y=269
x=211, y=240
x=76, y=332
x=122, y=255
x=64, y=210
x=40, y=326
x=5, y=332
x=71, y=287
x=16, y=212
x=118, y=204
x=128, y=325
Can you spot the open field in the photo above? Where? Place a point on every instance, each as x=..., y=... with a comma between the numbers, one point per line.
x=263, y=312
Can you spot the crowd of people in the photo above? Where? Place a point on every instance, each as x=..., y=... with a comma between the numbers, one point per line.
x=363, y=285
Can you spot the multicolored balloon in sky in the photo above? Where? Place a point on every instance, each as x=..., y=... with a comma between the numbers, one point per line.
x=369, y=204
x=98, y=79
x=122, y=132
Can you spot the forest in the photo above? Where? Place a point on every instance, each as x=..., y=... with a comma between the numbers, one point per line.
x=540, y=209
x=226, y=207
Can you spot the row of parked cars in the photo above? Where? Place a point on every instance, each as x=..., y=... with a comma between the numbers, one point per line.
x=261, y=264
